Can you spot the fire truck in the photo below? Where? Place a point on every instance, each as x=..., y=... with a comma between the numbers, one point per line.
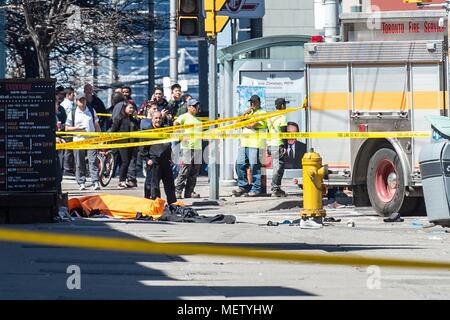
x=387, y=73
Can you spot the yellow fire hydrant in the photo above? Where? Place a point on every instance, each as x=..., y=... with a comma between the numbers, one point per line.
x=313, y=174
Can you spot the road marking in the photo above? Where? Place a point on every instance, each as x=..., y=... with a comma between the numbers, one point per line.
x=143, y=246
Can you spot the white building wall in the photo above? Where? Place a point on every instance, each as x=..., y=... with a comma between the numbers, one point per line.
x=289, y=17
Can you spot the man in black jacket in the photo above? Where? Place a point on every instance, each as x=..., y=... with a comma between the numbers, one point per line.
x=159, y=165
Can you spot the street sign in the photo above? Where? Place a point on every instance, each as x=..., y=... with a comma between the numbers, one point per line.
x=236, y=9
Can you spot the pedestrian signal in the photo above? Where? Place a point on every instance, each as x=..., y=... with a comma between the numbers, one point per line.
x=188, y=17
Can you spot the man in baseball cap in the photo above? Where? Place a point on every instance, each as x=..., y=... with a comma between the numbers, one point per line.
x=191, y=152
x=249, y=154
x=254, y=98
x=280, y=102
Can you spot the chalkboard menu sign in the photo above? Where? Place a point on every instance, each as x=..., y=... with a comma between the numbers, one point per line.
x=27, y=136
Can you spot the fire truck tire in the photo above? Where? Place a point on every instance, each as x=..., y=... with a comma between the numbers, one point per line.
x=385, y=182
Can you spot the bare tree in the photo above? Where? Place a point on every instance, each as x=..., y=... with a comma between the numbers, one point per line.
x=59, y=32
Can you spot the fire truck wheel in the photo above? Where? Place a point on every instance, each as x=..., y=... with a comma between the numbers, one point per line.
x=385, y=184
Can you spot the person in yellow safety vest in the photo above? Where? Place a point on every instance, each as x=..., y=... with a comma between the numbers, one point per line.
x=191, y=153
x=277, y=148
x=250, y=154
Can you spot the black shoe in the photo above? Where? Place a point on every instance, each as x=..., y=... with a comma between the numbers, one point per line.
x=131, y=183
x=395, y=217
x=278, y=193
x=239, y=192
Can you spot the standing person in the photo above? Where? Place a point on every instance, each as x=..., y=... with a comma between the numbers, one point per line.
x=158, y=97
x=183, y=108
x=158, y=160
x=69, y=100
x=69, y=105
x=146, y=124
x=175, y=102
x=125, y=122
x=127, y=92
x=84, y=119
x=250, y=154
x=191, y=153
x=277, y=147
x=96, y=103
x=135, y=164
x=61, y=119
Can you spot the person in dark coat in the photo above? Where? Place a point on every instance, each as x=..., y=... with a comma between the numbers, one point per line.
x=125, y=122
x=159, y=165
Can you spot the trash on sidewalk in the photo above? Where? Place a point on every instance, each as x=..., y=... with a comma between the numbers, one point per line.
x=417, y=224
x=395, y=217
x=311, y=223
x=176, y=213
x=331, y=219
x=63, y=215
x=351, y=224
x=275, y=224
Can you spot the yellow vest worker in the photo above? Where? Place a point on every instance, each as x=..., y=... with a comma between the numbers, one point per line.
x=277, y=148
x=250, y=154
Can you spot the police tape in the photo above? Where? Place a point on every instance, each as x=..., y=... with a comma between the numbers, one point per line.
x=110, y=137
x=170, y=137
x=147, y=247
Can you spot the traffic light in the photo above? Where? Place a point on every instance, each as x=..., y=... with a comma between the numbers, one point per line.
x=188, y=17
x=214, y=23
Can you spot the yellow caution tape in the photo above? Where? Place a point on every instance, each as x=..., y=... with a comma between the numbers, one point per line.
x=169, y=137
x=108, y=137
x=143, y=246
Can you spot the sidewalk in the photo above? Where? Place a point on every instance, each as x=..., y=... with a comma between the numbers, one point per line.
x=226, y=200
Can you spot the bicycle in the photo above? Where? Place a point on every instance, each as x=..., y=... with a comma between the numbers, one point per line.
x=105, y=162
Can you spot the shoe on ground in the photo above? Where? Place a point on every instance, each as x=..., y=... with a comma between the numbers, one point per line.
x=82, y=187
x=96, y=186
x=195, y=195
x=395, y=217
x=311, y=223
x=122, y=185
x=238, y=192
x=253, y=194
x=131, y=184
x=278, y=193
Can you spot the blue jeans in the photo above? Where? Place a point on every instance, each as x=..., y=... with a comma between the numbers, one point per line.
x=249, y=157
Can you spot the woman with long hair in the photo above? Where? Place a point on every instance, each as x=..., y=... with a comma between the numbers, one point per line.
x=125, y=122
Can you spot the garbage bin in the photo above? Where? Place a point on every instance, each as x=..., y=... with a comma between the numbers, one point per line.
x=435, y=170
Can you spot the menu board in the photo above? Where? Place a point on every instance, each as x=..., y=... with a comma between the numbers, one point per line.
x=27, y=136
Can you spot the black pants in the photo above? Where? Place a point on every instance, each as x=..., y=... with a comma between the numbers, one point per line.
x=148, y=183
x=125, y=155
x=132, y=165
x=162, y=170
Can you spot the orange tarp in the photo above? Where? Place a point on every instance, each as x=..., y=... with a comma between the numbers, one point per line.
x=118, y=206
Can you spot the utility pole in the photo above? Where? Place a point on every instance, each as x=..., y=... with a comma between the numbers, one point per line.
x=213, y=167
x=213, y=25
x=173, y=43
x=151, y=48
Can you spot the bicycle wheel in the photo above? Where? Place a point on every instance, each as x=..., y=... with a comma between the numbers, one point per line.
x=107, y=167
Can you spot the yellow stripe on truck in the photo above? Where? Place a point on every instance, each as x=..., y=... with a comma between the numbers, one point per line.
x=376, y=101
